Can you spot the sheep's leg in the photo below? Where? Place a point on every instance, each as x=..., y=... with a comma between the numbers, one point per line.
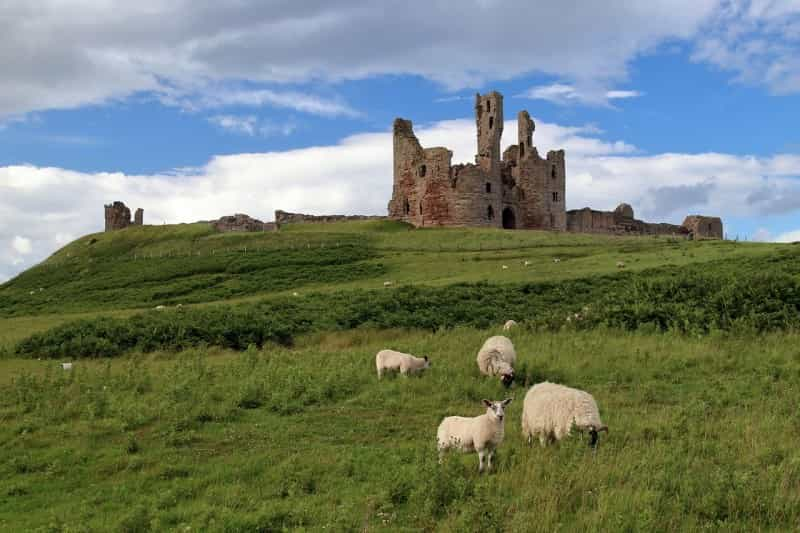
x=593, y=435
x=489, y=463
x=481, y=454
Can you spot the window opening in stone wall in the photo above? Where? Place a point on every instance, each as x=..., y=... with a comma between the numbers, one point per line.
x=488, y=187
x=491, y=122
x=420, y=208
x=490, y=213
x=522, y=148
x=407, y=207
x=488, y=106
x=553, y=172
x=555, y=196
x=422, y=170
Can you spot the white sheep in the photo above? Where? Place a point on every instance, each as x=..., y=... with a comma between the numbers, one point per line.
x=159, y=308
x=620, y=264
x=556, y=260
x=403, y=362
x=509, y=324
x=505, y=267
x=388, y=283
x=550, y=411
x=527, y=263
x=482, y=434
x=66, y=366
x=497, y=357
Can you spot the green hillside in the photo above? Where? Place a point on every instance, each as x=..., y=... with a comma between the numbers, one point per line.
x=249, y=402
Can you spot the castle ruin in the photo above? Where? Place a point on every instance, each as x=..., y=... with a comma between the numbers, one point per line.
x=518, y=190
x=118, y=216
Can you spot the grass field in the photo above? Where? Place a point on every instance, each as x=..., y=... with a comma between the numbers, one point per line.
x=702, y=437
x=691, y=351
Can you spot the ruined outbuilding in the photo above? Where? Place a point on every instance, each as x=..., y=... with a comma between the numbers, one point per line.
x=241, y=223
x=118, y=216
x=518, y=189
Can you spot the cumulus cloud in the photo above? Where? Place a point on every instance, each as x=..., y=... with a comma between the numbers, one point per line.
x=759, y=40
x=96, y=52
x=355, y=176
x=563, y=94
x=21, y=245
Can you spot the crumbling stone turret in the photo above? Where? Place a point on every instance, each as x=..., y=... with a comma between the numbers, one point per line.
x=118, y=216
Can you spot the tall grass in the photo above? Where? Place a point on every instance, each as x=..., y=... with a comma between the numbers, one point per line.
x=702, y=437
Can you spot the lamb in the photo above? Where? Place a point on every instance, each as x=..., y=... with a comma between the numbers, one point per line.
x=509, y=324
x=550, y=411
x=405, y=363
x=496, y=358
x=620, y=264
x=482, y=434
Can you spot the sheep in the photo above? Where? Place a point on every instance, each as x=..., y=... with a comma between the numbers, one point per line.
x=388, y=283
x=556, y=260
x=496, y=358
x=159, y=308
x=509, y=324
x=505, y=267
x=620, y=264
x=550, y=411
x=527, y=263
x=482, y=434
x=66, y=366
x=405, y=363
x=295, y=293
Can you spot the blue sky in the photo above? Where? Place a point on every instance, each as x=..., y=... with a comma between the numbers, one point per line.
x=193, y=110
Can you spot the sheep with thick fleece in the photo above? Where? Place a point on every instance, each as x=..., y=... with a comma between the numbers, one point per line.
x=404, y=363
x=497, y=357
x=509, y=324
x=482, y=434
x=550, y=411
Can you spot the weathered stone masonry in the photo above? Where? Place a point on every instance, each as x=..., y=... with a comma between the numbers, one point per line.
x=118, y=216
x=518, y=190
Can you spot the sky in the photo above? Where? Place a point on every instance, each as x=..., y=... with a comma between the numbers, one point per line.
x=197, y=109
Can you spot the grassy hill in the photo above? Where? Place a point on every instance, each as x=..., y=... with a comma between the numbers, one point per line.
x=248, y=408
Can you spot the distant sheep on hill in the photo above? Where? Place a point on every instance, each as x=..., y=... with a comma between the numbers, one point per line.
x=550, y=411
x=390, y=360
x=497, y=357
x=509, y=325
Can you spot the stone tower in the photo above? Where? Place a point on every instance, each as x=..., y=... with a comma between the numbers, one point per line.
x=489, y=123
x=118, y=216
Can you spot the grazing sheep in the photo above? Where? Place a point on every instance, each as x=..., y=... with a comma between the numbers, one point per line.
x=159, y=308
x=295, y=294
x=405, y=363
x=496, y=358
x=556, y=260
x=388, y=283
x=66, y=366
x=505, y=267
x=527, y=263
x=620, y=264
x=482, y=434
x=509, y=324
x=550, y=411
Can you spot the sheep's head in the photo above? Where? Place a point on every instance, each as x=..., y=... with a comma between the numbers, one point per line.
x=496, y=410
x=507, y=379
x=427, y=362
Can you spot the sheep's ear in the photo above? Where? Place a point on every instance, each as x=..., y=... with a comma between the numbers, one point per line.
x=486, y=402
x=507, y=401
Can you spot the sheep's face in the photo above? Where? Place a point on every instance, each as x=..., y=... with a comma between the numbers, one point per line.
x=507, y=379
x=497, y=410
x=427, y=362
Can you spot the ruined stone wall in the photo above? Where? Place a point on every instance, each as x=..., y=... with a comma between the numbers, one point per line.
x=701, y=227
x=282, y=217
x=621, y=221
x=118, y=216
x=241, y=223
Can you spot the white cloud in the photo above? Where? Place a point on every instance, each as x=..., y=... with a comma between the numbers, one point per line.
x=21, y=245
x=243, y=125
x=355, y=176
x=59, y=54
x=759, y=40
x=789, y=236
x=564, y=94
